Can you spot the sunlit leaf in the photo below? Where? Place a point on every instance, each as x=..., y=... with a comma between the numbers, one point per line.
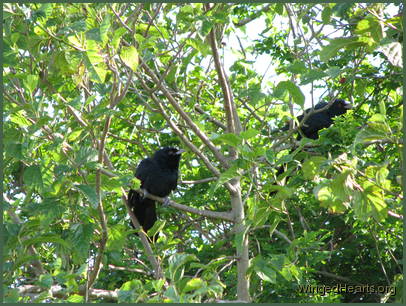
x=287, y=87
x=129, y=55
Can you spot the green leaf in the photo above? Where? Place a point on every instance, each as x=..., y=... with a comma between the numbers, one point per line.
x=230, y=139
x=158, y=284
x=283, y=192
x=279, y=8
x=270, y=156
x=193, y=284
x=289, y=87
x=80, y=237
x=93, y=53
x=253, y=93
x=46, y=238
x=171, y=295
x=249, y=133
x=342, y=186
x=129, y=291
x=206, y=27
x=327, y=197
x=11, y=295
x=94, y=34
x=199, y=45
x=326, y=14
x=33, y=177
x=370, y=26
x=31, y=81
x=85, y=155
x=274, y=225
x=113, y=184
x=258, y=211
x=104, y=29
x=74, y=135
x=135, y=183
x=335, y=45
x=298, y=67
x=90, y=194
x=116, y=237
x=19, y=119
x=333, y=72
x=76, y=298
x=45, y=281
x=95, y=62
x=311, y=166
x=227, y=175
x=312, y=76
x=117, y=35
x=377, y=129
x=129, y=55
x=370, y=203
x=176, y=264
x=264, y=270
x=46, y=9
x=379, y=174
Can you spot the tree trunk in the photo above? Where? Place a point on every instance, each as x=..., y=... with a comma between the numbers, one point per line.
x=241, y=240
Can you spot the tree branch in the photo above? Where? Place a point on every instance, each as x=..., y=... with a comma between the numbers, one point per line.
x=184, y=139
x=144, y=239
x=227, y=216
x=210, y=118
x=103, y=220
x=220, y=157
x=243, y=22
x=205, y=180
x=60, y=292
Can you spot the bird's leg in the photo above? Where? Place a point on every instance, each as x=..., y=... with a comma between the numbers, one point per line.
x=166, y=201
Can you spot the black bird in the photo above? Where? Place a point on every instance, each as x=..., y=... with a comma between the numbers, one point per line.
x=317, y=121
x=159, y=176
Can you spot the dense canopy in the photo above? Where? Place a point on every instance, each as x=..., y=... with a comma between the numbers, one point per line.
x=91, y=89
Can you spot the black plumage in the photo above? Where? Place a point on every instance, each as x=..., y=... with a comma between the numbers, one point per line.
x=320, y=120
x=159, y=176
x=317, y=121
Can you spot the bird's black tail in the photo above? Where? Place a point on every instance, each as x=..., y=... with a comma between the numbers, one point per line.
x=143, y=209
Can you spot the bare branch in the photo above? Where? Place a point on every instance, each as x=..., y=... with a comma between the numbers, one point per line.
x=227, y=216
x=220, y=157
x=210, y=118
x=233, y=122
x=103, y=220
x=60, y=292
x=209, y=179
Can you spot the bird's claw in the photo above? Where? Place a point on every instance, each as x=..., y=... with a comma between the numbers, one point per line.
x=166, y=202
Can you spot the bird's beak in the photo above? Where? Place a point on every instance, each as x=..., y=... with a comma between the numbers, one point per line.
x=180, y=152
x=347, y=105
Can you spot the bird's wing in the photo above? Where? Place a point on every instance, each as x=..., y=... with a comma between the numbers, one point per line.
x=144, y=169
x=316, y=122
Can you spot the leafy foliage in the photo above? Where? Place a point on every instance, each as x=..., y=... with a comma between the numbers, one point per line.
x=86, y=89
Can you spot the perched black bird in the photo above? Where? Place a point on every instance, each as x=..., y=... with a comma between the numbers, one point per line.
x=317, y=121
x=159, y=176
